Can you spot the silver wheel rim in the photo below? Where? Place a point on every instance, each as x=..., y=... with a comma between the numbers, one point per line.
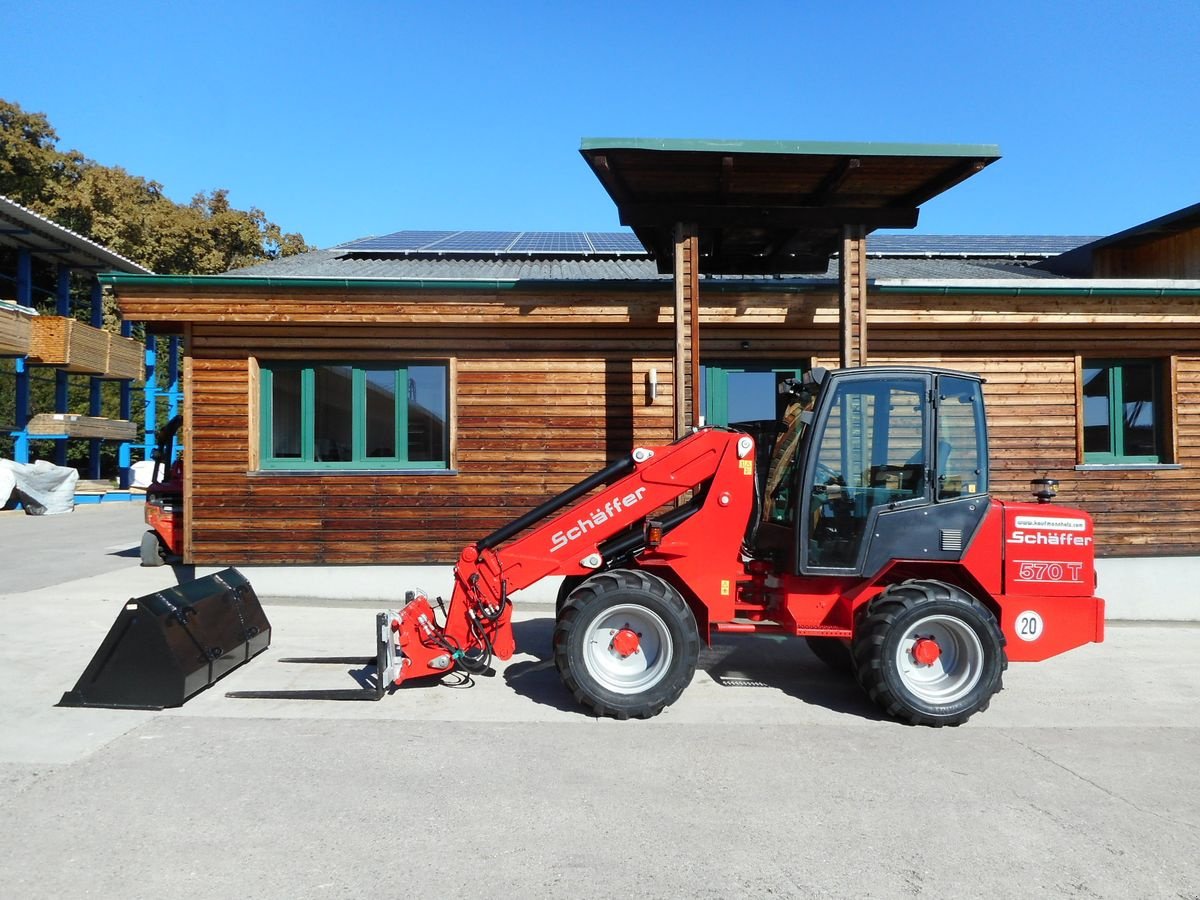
x=957, y=669
x=639, y=671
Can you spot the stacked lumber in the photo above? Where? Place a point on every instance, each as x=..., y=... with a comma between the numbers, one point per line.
x=126, y=358
x=68, y=344
x=14, y=330
x=70, y=425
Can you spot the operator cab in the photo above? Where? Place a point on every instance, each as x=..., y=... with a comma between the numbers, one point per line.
x=860, y=444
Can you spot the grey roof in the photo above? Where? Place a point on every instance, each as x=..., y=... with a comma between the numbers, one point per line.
x=522, y=267
x=1014, y=245
x=23, y=229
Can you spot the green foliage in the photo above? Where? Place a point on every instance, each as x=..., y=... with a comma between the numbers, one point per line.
x=129, y=214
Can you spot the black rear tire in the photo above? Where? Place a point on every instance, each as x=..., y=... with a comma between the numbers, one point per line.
x=969, y=663
x=626, y=644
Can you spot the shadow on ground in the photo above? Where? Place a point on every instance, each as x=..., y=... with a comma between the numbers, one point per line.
x=738, y=663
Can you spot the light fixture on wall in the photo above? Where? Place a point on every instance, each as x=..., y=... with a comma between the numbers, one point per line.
x=651, y=386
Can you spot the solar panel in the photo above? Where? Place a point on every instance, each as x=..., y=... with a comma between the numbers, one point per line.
x=474, y=242
x=547, y=243
x=551, y=242
x=397, y=240
x=615, y=242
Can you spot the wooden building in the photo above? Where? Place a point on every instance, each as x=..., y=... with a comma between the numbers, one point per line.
x=393, y=399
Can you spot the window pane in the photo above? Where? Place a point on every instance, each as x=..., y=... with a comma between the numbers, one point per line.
x=1097, y=429
x=1138, y=396
x=752, y=396
x=285, y=413
x=961, y=458
x=871, y=453
x=381, y=413
x=426, y=413
x=333, y=402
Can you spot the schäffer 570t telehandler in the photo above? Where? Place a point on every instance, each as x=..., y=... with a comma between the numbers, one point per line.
x=864, y=526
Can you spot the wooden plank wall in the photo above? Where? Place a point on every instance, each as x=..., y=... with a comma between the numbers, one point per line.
x=1172, y=256
x=1032, y=432
x=549, y=386
x=534, y=412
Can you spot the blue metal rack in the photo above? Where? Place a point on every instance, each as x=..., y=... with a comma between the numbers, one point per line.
x=22, y=377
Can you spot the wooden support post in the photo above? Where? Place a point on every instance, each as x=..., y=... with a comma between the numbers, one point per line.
x=185, y=433
x=679, y=362
x=852, y=284
x=687, y=328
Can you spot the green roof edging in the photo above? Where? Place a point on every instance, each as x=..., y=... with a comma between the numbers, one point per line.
x=1019, y=291
x=118, y=280
x=815, y=148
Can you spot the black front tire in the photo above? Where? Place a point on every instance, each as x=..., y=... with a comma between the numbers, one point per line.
x=565, y=590
x=642, y=676
x=970, y=662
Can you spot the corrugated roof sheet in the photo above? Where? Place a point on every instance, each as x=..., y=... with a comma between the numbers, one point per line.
x=974, y=244
x=23, y=229
x=890, y=256
x=337, y=264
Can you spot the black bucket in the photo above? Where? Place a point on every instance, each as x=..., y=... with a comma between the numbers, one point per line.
x=169, y=645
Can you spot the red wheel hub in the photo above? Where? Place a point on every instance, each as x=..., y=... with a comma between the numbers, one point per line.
x=625, y=643
x=926, y=651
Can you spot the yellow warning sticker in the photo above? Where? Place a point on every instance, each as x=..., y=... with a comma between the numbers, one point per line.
x=747, y=466
x=725, y=586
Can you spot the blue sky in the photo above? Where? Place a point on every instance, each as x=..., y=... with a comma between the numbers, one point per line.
x=343, y=120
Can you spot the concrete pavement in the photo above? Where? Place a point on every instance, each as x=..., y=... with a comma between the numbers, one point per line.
x=770, y=777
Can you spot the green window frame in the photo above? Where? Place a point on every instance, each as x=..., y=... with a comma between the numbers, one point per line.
x=715, y=387
x=351, y=394
x=1123, y=412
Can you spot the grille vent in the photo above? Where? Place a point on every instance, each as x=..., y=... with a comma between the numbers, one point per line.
x=952, y=539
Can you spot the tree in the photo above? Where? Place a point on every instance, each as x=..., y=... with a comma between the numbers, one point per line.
x=129, y=214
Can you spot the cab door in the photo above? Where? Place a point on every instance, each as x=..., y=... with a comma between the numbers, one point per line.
x=870, y=450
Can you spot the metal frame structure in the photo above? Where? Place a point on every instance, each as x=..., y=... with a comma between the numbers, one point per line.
x=32, y=237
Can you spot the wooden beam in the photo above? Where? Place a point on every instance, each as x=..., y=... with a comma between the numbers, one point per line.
x=852, y=294
x=187, y=435
x=705, y=215
x=835, y=179
x=941, y=182
x=692, y=251
x=679, y=367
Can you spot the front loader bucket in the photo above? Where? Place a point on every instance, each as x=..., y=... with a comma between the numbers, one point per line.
x=167, y=646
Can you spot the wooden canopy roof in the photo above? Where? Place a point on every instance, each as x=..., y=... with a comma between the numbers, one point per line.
x=772, y=207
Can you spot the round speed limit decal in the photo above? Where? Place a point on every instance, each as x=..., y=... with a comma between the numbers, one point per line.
x=1029, y=625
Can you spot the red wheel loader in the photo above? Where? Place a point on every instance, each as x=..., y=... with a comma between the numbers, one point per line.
x=871, y=534
x=164, y=500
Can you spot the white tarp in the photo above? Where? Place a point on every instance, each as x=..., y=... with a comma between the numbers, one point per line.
x=140, y=473
x=43, y=488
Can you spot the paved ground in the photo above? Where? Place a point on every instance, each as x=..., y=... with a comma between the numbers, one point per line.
x=96, y=538
x=770, y=777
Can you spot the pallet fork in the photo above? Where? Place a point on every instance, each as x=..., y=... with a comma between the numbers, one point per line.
x=388, y=664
